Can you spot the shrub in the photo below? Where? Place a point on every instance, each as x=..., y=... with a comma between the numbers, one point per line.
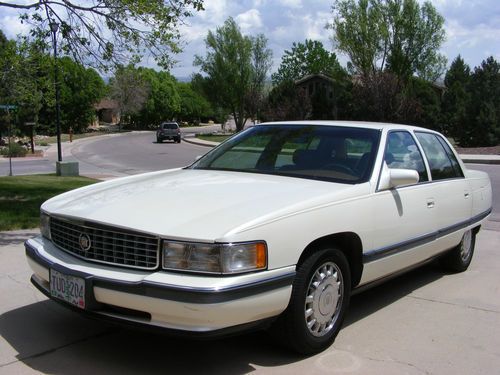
x=16, y=150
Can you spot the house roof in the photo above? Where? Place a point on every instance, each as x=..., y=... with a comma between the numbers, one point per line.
x=107, y=104
x=312, y=76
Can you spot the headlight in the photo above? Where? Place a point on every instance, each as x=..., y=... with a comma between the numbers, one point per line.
x=45, y=225
x=215, y=258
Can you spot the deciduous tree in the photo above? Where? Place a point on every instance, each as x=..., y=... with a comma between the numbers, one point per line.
x=130, y=90
x=307, y=58
x=163, y=101
x=232, y=70
x=99, y=32
x=401, y=36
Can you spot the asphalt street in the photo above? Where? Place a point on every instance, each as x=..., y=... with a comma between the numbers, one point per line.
x=136, y=153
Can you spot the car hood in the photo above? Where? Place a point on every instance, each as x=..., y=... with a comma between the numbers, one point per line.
x=196, y=204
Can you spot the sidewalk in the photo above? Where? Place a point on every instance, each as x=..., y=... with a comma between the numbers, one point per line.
x=86, y=169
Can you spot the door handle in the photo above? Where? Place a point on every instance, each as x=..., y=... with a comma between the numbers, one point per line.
x=430, y=204
x=466, y=195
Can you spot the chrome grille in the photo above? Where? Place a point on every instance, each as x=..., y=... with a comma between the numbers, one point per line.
x=107, y=245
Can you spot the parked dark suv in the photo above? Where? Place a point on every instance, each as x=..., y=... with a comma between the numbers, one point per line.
x=168, y=130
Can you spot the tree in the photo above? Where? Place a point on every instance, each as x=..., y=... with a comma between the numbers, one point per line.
x=26, y=81
x=99, y=31
x=379, y=97
x=359, y=32
x=163, y=101
x=401, y=36
x=261, y=63
x=307, y=58
x=287, y=102
x=483, y=127
x=423, y=105
x=81, y=88
x=130, y=90
x=456, y=98
x=193, y=106
x=231, y=68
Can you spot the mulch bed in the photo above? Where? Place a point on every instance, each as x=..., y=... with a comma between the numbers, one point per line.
x=37, y=154
x=495, y=150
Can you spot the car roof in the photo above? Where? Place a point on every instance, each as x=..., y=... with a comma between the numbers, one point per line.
x=352, y=124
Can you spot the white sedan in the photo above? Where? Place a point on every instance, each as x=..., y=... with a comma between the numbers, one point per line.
x=279, y=224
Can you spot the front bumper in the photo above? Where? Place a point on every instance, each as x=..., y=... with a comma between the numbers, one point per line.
x=189, y=303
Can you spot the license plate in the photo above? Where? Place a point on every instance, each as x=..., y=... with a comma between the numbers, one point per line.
x=68, y=288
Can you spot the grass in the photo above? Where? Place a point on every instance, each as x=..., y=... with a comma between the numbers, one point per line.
x=65, y=137
x=21, y=197
x=213, y=138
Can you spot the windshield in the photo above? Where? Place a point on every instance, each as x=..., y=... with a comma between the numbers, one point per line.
x=169, y=126
x=328, y=153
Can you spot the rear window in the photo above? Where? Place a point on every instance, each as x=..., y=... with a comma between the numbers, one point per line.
x=169, y=126
x=441, y=159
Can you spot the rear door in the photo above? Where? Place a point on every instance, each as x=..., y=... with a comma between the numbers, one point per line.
x=452, y=191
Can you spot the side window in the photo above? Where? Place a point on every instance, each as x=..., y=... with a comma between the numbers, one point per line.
x=441, y=160
x=402, y=153
x=451, y=156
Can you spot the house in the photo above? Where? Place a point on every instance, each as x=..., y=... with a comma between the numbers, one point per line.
x=319, y=89
x=108, y=110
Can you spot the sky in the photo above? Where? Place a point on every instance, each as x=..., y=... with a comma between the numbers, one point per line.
x=472, y=27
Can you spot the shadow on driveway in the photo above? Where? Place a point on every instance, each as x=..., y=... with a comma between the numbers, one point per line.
x=51, y=339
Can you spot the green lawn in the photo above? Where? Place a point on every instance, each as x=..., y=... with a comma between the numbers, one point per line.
x=65, y=137
x=21, y=197
x=213, y=138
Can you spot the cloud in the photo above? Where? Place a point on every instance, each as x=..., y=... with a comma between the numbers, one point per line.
x=295, y=4
x=249, y=21
x=12, y=26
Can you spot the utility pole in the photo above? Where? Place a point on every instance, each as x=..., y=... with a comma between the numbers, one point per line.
x=54, y=26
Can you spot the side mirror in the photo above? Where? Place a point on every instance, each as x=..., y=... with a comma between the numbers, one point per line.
x=392, y=178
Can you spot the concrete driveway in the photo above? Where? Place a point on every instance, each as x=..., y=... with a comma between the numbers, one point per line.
x=424, y=322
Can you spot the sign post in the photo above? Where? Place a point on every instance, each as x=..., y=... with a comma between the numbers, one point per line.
x=8, y=108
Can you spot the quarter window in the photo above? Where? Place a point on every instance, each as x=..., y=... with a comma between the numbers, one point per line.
x=442, y=161
x=402, y=153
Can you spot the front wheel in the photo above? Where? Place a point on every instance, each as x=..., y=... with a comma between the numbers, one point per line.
x=320, y=297
x=458, y=259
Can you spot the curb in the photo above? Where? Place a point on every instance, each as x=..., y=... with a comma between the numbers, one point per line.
x=472, y=160
x=200, y=142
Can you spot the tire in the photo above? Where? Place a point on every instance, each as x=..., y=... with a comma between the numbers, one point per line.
x=178, y=140
x=314, y=315
x=458, y=259
x=159, y=140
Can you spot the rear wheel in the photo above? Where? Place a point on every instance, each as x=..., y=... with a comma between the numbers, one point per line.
x=320, y=297
x=178, y=140
x=159, y=140
x=458, y=259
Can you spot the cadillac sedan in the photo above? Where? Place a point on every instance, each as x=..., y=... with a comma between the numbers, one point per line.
x=277, y=226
